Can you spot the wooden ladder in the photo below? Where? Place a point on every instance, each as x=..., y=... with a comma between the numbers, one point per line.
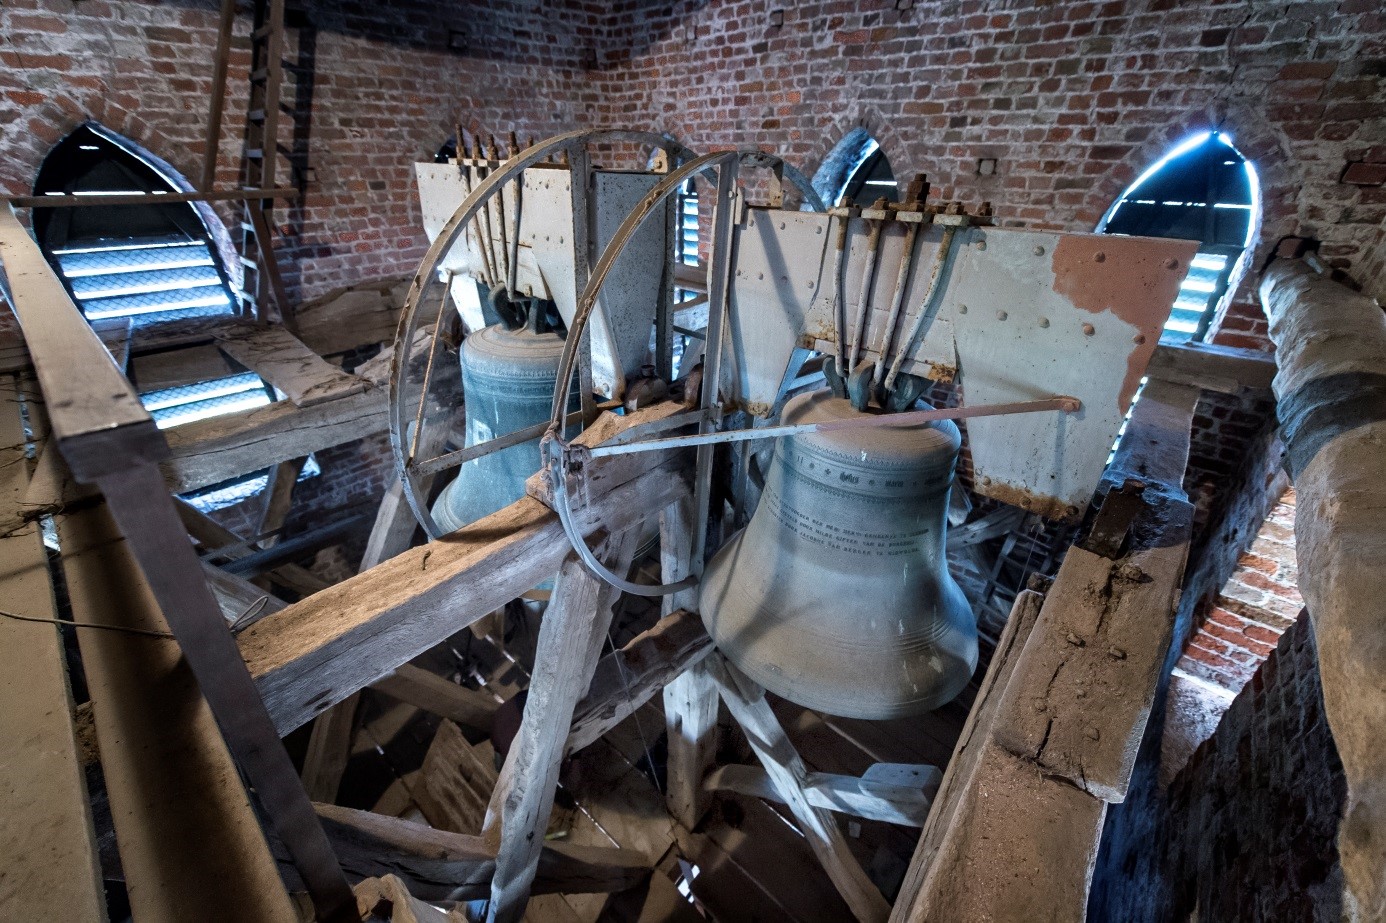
x=263, y=282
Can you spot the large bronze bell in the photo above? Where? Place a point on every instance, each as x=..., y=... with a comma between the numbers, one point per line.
x=837, y=594
x=508, y=382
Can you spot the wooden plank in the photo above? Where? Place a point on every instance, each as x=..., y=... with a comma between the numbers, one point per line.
x=280, y=358
x=349, y=318
x=171, y=368
x=1208, y=367
x=329, y=749
x=440, y=697
x=626, y=679
x=905, y=801
x=456, y=782
x=190, y=844
x=748, y=706
x=958, y=779
x=394, y=527
x=388, y=898
x=213, y=535
x=570, y=640
x=113, y=332
x=48, y=856
x=323, y=648
x=209, y=451
x=278, y=498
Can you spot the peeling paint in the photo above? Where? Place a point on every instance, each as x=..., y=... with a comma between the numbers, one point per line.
x=1134, y=278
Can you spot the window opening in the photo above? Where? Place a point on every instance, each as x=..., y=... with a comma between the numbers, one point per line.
x=1202, y=190
x=147, y=263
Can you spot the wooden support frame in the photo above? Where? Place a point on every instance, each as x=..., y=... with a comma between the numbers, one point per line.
x=570, y=641
x=746, y=702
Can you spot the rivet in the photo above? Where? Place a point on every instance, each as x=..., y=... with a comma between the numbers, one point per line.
x=1044, y=322
x=962, y=309
x=760, y=275
x=1099, y=257
x=1138, y=339
x=1039, y=251
x=986, y=481
x=1089, y=330
x=810, y=283
x=981, y=245
x=781, y=225
x=1171, y=263
x=818, y=230
x=1001, y=315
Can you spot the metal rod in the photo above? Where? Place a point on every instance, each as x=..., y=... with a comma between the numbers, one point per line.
x=514, y=253
x=479, y=156
x=148, y=198
x=928, y=309
x=718, y=290
x=703, y=441
x=896, y=300
x=459, y=457
x=428, y=370
x=839, y=302
x=507, y=271
x=868, y=275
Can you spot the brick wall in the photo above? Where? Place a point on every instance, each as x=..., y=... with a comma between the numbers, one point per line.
x=1259, y=602
x=380, y=90
x=1248, y=829
x=1074, y=100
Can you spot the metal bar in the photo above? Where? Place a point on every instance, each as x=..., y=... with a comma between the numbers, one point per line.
x=839, y=302
x=428, y=371
x=866, y=421
x=213, y=144
x=264, y=559
x=896, y=300
x=928, y=308
x=148, y=198
x=459, y=457
x=718, y=290
x=581, y=166
x=509, y=271
x=514, y=252
x=473, y=175
x=482, y=172
x=868, y=277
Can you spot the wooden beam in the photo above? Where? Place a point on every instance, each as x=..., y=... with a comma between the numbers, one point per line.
x=456, y=782
x=353, y=317
x=897, y=794
x=438, y=865
x=626, y=679
x=570, y=642
x=329, y=749
x=439, y=696
x=209, y=451
x=1208, y=367
x=280, y=358
x=213, y=535
x=48, y=848
x=323, y=648
x=746, y=702
x=1053, y=735
x=241, y=601
x=187, y=835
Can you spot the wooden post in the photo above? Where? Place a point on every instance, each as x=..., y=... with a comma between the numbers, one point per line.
x=570, y=642
x=747, y=704
x=690, y=700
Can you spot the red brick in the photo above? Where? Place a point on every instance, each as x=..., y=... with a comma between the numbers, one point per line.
x=1365, y=174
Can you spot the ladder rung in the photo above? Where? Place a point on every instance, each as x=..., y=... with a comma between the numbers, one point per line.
x=259, y=75
x=255, y=153
x=261, y=32
x=255, y=115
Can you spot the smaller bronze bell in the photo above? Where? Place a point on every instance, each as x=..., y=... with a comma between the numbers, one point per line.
x=508, y=382
x=837, y=594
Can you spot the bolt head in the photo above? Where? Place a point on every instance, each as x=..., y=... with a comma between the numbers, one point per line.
x=1089, y=330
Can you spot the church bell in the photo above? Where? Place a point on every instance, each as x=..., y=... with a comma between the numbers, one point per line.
x=508, y=383
x=837, y=594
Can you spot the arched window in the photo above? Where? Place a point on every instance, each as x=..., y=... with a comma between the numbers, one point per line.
x=146, y=262
x=858, y=169
x=1202, y=190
